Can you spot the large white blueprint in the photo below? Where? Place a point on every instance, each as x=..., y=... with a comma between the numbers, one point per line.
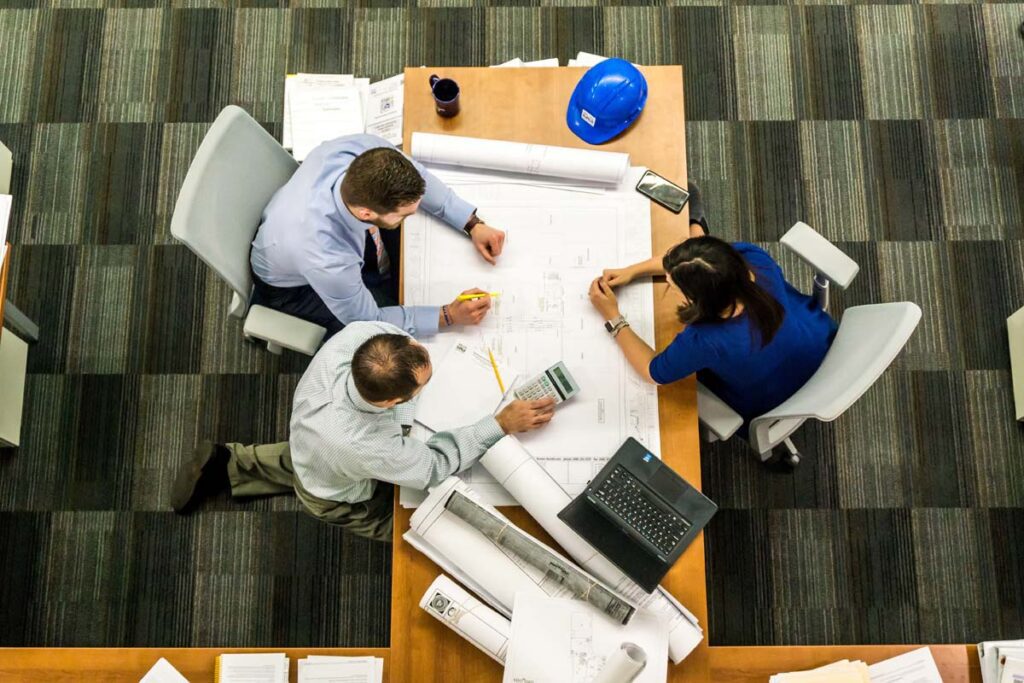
x=568, y=641
x=559, y=238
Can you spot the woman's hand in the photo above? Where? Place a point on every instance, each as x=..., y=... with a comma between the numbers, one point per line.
x=603, y=299
x=617, y=277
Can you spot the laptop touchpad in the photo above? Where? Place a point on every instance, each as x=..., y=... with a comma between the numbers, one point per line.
x=668, y=488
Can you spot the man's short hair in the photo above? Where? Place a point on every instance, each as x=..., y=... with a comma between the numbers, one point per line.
x=384, y=367
x=382, y=179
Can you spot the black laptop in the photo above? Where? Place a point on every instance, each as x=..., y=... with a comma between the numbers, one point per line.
x=639, y=514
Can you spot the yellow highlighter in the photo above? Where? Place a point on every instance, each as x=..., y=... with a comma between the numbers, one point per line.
x=497, y=375
x=472, y=297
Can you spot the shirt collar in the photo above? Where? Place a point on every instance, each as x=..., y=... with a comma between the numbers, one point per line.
x=350, y=221
x=357, y=400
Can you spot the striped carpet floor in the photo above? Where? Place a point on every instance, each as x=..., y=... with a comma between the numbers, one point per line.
x=895, y=128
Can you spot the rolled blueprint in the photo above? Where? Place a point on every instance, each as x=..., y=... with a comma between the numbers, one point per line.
x=529, y=483
x=520, y=157
x=454, y=607
x=493, y=574
x=506, y=535
x=623, y=665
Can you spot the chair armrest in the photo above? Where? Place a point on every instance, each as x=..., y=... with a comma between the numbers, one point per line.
x=715, y=414
x=820, y=254
x=284, y=330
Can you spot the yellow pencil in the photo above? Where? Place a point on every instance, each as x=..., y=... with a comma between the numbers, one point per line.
x=497, y=375
x=471, y=297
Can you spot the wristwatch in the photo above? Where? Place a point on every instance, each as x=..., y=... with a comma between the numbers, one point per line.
x=615, y=324
x=473, y=221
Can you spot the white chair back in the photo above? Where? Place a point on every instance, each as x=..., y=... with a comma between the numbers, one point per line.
x=869, y=339
x=235, y=172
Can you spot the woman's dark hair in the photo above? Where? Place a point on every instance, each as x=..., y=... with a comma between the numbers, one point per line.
x=714, y=277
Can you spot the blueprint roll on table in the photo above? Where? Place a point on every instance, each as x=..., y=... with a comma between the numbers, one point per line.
x=532, y=486
x=623, y=665
x=520, y=157
x=453, y=606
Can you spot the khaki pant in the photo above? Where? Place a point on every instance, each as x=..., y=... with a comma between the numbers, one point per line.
x=266, y=470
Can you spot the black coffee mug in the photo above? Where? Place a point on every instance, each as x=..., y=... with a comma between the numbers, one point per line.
x=446, y=96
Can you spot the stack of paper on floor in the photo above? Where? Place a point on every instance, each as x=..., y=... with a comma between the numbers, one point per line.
x=555, y=640
x=916, y=666
x=1002, y=661
x=163, y=672
x=320, y=107
x=462, y=390
x=252, y=668
x=328, y=669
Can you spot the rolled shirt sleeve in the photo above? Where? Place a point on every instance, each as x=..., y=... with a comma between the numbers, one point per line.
x=440, y=201
x=343, y=292
x=421, y=464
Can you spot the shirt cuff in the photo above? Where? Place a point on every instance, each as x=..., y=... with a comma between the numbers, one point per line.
x=425, y=320
x=458, y=212
x=489, y=431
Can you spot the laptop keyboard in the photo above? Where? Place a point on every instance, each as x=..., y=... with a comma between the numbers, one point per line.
x=630, y=500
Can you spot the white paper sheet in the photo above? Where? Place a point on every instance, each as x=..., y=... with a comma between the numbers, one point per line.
x=526, y=481
x=320, y=114
x=549, y=61
x=384, y=110
x=327, y=669
x=377, y=663
x=518, y=157
x=514, y=62
x=271, y=667
x=988, y=657
x=557, y=241
x=843, y=671
x=293, y=82
x=462, y=390
x=567, y=641
x=586, y=59
x=454, y=607
x=1011, y=670
x=163, y=672
x=917, y=666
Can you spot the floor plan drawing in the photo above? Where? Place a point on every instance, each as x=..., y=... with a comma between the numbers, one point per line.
x=558, y=240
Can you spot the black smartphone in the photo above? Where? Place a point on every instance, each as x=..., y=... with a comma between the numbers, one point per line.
x=663, y=191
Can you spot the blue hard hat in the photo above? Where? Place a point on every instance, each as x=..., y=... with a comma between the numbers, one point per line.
x=606, y=101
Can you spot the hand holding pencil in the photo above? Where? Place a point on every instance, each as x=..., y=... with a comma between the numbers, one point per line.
x=469, y=307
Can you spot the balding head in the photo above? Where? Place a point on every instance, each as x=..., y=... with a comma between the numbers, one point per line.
x=390, y=368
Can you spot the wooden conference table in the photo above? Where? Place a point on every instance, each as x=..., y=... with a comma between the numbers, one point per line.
x=527, y=105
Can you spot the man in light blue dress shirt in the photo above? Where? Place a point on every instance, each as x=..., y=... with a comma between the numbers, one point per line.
x=327, y=249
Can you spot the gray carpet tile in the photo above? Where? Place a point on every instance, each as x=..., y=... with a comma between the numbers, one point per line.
x=893, y=127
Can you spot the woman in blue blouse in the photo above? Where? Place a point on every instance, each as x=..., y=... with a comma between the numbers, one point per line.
x=749, y=335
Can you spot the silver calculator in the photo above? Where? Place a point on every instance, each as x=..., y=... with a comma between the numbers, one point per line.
x=555, y=382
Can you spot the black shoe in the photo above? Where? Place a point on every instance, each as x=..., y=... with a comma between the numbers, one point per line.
x=697, y=207
x=204, y=475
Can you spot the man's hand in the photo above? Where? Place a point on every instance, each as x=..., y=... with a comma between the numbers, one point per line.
x=603, y=299
x=470, y=312
x=525, y=416
x=617, y=277
x=488, y=241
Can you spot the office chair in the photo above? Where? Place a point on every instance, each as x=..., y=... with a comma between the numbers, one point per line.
x=236, y=170
x=868, y=340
